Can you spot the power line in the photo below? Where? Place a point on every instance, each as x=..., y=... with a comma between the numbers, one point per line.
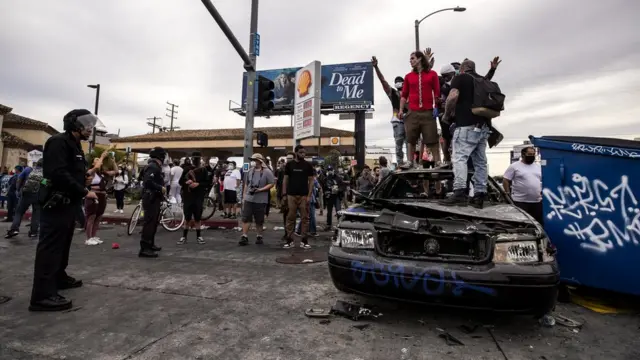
x=152, y=122
x=172, y=116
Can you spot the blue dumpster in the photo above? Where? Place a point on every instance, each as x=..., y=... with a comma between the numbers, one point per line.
x=591, y=202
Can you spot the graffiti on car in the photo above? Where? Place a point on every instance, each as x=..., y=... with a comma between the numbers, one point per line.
x=432, y=280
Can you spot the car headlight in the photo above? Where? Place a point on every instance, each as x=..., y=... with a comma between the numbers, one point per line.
x=355, y=239
x=516, y=252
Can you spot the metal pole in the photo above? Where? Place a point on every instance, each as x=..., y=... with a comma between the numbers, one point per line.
x=417, y=35
x=248, y=64
x=360, y=138
x=251, y=79
x=95, y=112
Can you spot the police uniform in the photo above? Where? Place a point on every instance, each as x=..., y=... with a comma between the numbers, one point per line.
x=152, y=196
x=60, y=194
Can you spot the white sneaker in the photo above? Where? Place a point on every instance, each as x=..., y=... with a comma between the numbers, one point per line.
x=116, y=211
x=201, y=241
x=121, y=211
x=97, y=239
x=91, y=241
x=183, y=240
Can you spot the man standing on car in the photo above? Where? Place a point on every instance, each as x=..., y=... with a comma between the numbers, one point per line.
x=469, y=138
x=258, y=182
x=523, y=181
x=193, y=194
x=399, y=135
x=421, y=87
x=231, y=184
x=298, y=185
x=153, y=191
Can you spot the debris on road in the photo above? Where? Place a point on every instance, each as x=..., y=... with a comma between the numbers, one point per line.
x=353, y=311
x=4, y=299
x=361, y=326
x=278, y=228
x=450, y=339
x=325, y=322
x=496, y=342
x=547, y=321
x=468, y=329
x=570, y=323
x=115, y=246
x=224, y=282
x=317, y=313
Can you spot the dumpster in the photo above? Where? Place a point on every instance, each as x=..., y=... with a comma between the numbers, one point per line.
x=591, y=195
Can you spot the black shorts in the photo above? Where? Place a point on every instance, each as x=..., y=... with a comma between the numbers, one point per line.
x=253, y=211
x=446, y=133
x=230, y=197
x=192, y=209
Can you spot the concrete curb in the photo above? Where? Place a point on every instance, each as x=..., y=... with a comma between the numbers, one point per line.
x=119, y=220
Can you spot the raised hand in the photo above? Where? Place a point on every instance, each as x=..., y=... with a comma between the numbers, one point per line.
x=495, y=62
x=374, y=61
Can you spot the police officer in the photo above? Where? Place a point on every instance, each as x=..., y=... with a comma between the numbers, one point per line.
x=60, y=194
x=152, y=195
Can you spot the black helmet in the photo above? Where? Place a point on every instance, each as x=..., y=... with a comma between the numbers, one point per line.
x=79, y=119
x=158, y=153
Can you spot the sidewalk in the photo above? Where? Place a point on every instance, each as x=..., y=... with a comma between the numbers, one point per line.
x=216, y=221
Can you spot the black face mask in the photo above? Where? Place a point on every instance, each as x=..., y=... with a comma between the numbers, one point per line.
x=529, y=159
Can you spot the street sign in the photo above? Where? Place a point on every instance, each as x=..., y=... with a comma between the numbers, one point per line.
x=352, y=116
x=352, y=107
x=128, y=149
x=334, y=141
x=245, y=167
x=306, y=110
x=256, y=44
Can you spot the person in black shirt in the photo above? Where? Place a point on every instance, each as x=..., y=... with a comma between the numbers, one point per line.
x=469, y=138
x=298, y=187
x=64, y=168
x=193, y=193
x=399, y=134
x=153, y=191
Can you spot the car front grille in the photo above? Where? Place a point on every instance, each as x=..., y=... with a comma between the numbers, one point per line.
x=458, y=247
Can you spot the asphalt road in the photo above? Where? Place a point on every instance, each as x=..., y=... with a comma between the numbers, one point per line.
x=221, y=301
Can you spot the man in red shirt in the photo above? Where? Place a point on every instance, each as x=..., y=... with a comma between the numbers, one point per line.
x=421, y=87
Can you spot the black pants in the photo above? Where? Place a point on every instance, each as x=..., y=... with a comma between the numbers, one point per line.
x=52, y=252
x=12, y=203
x=533, y=209
x=119, y=194
x=151, y=205
x=331, y=202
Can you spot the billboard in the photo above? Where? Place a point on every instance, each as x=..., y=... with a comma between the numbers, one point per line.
x=341, y=84
x=307, y=102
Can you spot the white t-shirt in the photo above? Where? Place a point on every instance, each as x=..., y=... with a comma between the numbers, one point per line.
x=231, y=179
x=176, y=174
x=96, y=180
x=526, y=182
x=166, y=171
x=120, y=182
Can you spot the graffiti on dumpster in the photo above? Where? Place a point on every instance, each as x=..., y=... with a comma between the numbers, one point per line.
x=601, y=216
x=432, y=280
x=605, y=150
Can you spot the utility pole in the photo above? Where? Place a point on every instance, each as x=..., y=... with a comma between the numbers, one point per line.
x=173, y=112
x=92, y=144
x=152, y=122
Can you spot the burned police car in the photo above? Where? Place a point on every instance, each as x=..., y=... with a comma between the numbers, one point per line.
x=399, y=243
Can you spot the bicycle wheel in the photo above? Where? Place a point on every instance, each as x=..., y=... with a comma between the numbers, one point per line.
x=133, y=222
x=208, y=208
x=172, y=218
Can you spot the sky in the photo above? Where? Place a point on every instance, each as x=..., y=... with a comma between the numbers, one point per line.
x=569, y=67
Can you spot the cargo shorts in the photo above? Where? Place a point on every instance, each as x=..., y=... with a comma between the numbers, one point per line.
x=421, y=123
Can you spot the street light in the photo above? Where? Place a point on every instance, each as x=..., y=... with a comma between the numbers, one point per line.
x=92, y=144
x=417, y=24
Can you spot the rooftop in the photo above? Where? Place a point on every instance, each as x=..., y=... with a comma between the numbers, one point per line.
x=12, y=141
x=279, y=132
x=16, y=121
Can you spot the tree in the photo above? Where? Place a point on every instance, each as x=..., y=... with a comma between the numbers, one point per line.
x=332, y=159
x=97, y=152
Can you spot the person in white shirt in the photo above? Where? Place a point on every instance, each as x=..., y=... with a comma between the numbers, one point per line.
x=231, y=184
x=166, y=173
x=119, y=185
x=523, y=181
x=174, y=185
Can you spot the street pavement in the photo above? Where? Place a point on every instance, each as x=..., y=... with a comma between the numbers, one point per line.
x=222, y=301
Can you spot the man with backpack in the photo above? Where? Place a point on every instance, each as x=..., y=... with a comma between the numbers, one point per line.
x=475, y=100
x=29, y=198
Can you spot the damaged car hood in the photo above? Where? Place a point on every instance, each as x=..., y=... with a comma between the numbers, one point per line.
x=494, y=212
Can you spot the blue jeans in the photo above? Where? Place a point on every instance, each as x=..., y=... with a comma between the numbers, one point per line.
x=469, y=142
x=312, y=220
x=400, y=139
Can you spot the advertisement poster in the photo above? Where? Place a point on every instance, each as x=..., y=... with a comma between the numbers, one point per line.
x=307, y=102
x=341, y=84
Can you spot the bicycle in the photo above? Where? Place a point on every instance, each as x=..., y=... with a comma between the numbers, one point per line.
x=168, y=218
x=208, y=208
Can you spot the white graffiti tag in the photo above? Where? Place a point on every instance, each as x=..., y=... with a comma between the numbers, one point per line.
x=605, y=150
x=599, y=216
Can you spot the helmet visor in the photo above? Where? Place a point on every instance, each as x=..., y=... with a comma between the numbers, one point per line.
x=87, y=122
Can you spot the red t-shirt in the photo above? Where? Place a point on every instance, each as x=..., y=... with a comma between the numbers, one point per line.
x=430, y=90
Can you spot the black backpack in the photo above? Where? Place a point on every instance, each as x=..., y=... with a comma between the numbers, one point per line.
x=488, y=100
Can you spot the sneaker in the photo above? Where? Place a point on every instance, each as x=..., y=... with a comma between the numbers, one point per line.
x=116, y=211
x=91, y=241
x=33, y=235
x=478, y=200
x=244, y=240
x=259, y=240
x=200, y=240
x=121, y=211
x=314, y=234
x=459, y=198
x=97, y=239
x=288, y=245
x=305, y=245
x=406, y=165
x=11, y=233
x=182, y=241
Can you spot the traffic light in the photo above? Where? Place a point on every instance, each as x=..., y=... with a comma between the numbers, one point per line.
x=265, y=95
x=262, y=139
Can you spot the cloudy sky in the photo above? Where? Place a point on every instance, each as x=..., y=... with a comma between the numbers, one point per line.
x=570, y=67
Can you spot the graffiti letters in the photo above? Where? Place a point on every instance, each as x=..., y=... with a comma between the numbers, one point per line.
x=600, y=216
x=432, y=281
x=605, y=150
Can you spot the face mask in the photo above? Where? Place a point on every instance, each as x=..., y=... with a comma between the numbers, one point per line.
x=231, y=167
x=253, y=164
x=398, y=85
x=529, y=159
